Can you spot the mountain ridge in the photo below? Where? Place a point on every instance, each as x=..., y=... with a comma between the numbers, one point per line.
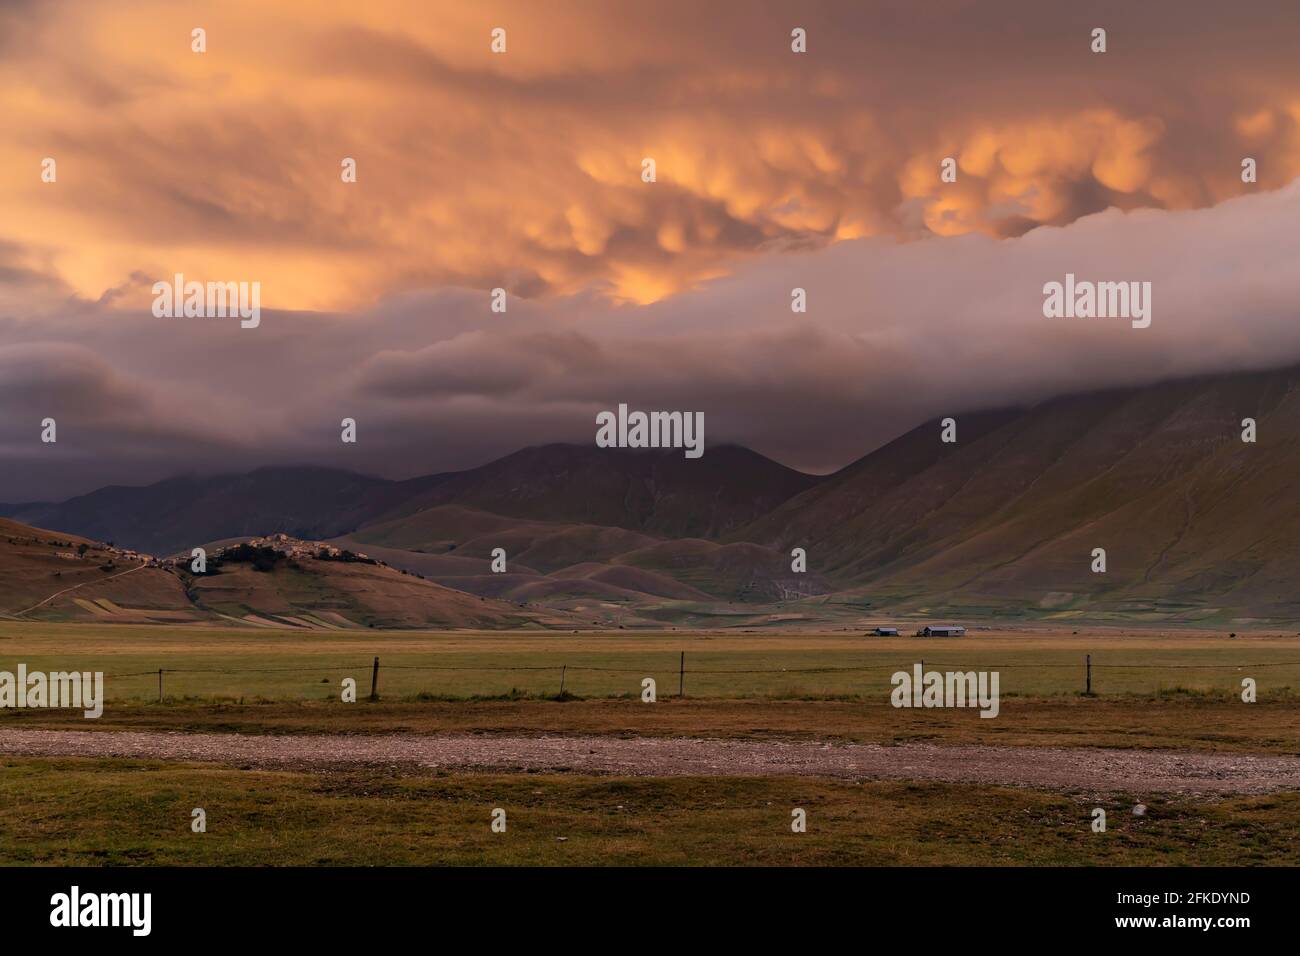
x=645, y=490
x=1195, y=523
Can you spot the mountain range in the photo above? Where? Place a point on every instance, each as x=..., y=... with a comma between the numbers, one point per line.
x=1193, y=523
x=656, y=492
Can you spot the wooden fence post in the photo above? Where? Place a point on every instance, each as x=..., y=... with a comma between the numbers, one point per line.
x=563, y=668
x=681, y=676
x=1089, y=673
x=160, y=693
x=374, y=681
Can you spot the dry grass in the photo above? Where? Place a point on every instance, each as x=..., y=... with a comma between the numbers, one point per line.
x=93, y=812
x=1191, y=723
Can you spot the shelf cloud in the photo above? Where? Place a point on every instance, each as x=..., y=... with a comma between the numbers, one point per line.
x=522, y=171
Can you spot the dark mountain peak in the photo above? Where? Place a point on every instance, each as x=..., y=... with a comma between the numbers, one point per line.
x=655, y=490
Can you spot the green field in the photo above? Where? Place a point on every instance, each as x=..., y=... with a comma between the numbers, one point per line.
x=221, y=664
x=99, y=812
x=1175, y=689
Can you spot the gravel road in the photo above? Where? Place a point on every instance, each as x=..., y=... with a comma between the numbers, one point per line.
x=1072, y=769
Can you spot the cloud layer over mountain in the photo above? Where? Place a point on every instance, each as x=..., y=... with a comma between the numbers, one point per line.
x=896, y=332
x=522, y=170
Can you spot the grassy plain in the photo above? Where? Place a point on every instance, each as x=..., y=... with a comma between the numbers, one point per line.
x=223, y=664
x=99, y=812
x=1151, y=689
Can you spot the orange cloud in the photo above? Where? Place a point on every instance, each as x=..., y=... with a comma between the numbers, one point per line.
x=523, y=169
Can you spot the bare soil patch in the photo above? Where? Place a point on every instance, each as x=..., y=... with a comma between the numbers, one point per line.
x=1077, y=769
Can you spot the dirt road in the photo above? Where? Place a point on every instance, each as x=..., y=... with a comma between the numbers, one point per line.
x=74, y=587
x=1073, y=769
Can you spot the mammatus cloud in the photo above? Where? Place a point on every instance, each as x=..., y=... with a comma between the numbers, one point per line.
x=895, y=333
x=522, y=170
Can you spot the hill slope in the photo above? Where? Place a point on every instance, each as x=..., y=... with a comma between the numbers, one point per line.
x=1195, y=522
x=52, y=576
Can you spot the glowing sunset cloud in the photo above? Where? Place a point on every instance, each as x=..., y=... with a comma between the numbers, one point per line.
x=921, y=171
x=522, y=169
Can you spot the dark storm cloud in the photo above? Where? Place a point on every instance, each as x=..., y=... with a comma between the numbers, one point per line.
x=896, y=333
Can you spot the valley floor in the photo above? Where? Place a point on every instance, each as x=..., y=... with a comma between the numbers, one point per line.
x=251, y=729
x=92, y=812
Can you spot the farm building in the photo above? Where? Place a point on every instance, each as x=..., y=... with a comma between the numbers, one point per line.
x=886, y=632
x=941, y=630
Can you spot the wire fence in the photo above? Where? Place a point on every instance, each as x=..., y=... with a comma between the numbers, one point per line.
x=719, y=681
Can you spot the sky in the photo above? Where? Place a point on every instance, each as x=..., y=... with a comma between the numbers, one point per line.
x=522, y=170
